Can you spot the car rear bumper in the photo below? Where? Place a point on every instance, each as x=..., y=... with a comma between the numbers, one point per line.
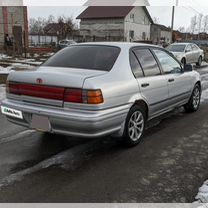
x=79, y=123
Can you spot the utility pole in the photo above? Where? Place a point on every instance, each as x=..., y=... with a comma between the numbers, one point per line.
x=172, y=20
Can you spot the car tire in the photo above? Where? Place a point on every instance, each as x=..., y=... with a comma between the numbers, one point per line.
x=199, y=61
x=183, y=61
x=134, y=126
x=194, y=102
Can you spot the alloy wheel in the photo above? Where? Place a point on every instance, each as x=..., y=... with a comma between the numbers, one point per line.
x=136, y=126
x=196, y=98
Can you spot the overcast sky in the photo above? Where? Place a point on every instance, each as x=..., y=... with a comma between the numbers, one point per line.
x=186, y=9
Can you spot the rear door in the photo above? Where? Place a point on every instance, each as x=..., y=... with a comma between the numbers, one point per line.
x=152, y=83
x=189, y=54
x=196, y=52
x=179, y=83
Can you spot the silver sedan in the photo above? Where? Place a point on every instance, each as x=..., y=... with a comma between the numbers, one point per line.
x=97, y=89
x=187, y=53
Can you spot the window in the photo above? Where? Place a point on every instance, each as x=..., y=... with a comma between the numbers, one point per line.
x=85, y=57
x=176, y=48
x=188, y=48
x=144, y=36
x=169, y=65
x=132, y=16
x=131, y=34
x=135, y=66
x=148, y=62
x=194, y=47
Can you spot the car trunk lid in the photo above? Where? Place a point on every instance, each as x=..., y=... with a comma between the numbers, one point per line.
x=46, y=85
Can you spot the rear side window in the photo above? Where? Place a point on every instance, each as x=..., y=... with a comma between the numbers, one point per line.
x=148, y=62
x=85, y=57
x=135, y=66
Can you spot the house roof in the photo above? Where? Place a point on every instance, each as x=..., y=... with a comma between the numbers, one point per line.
x=53, y=28
x=102, y=12
x=163, y=27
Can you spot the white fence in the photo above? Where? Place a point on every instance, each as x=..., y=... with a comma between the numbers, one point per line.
x=35, y=40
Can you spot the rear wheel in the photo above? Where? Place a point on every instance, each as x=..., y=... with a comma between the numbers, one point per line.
x=194, y=102
x=134, y=126
x=199, y=61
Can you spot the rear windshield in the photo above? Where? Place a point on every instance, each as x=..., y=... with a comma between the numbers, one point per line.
x=85, y=57
x=176, y=48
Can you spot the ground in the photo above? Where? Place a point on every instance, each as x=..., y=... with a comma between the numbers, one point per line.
x=169, y=165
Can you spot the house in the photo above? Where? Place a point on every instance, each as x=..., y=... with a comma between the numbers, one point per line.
x=117, y=3
x=160, y=34
x=60, y=29
x=115, y=23
x=14, y=22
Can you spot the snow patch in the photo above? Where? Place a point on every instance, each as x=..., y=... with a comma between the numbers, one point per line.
x=4, y=56
x=204, y=95
x=6, y=70
x=202, y=196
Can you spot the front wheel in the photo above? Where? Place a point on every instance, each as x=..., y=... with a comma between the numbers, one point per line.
x=199, y=63
x=194, y=102
x=134, y=126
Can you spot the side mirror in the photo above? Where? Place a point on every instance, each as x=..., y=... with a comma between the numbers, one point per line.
x=188, y=68
x=187, y=50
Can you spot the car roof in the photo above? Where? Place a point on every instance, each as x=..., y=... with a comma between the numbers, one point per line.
x=119, y=44
x=182, y=43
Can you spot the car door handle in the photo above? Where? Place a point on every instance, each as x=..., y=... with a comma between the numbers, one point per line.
x=145, y=85
x=171, y=80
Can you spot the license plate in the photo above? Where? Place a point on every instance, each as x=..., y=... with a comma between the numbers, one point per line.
x=11, y=112
x=40, y=123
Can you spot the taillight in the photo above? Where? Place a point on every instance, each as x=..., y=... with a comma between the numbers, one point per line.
x=41, y=91
x=73, y=96
x=83, y=96
x=94, y=97
x=56, y=93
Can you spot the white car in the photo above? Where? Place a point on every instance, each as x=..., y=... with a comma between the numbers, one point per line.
x=65, y=43
x=187, y=53
x=98, y=89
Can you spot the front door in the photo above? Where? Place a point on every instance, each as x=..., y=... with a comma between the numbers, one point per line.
x=179, y=83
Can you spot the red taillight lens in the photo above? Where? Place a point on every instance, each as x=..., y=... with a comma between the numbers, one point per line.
x=83, y=96
x=56, y=93
x=12, y=88
x=73, y=95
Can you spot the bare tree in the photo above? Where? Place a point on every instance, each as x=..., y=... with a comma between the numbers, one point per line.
x=37, y=25
x=66, y=26
x=199, y=22
x=205, y=23
x=193, y=24
x=51, y=19
x=181, y=29
x=156, y=20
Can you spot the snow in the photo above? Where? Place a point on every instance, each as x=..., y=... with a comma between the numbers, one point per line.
x=6, y=70
x=22, y=66
x=204, y=95
x=2, y=92
x=4, y=56
x=26, y=61
x=202, y=196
